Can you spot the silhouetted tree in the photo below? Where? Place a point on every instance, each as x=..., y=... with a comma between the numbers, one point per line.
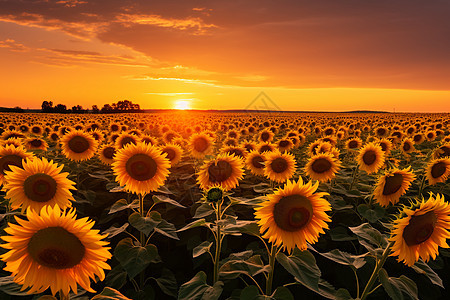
x=107, y=109
x=60, y=108
x=47, y=106
x=95, y=109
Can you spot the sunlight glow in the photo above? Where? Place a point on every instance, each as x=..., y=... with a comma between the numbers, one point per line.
x=182, y=104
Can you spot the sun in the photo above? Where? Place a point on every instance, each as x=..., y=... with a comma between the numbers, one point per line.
x=182, y=104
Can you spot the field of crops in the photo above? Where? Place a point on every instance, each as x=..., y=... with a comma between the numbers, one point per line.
x=195, y=205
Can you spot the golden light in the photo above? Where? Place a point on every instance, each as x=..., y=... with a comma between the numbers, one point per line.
x=182, y=104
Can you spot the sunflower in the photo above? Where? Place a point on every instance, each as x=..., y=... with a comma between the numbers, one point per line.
x=200, y=144
x=141, y=168
x=353, y=143
x=11, y=155
x=238, y=151
x=77, y=145
x=442, y=151
x=407, y=146
x=279, y=167
x=438, y=170
x=54, y=249
x=225, y=170
x=418, y=138
x=126, y=138
x=420, y=230
x=106, y=153
x=285, y=145
x=265, y=136
x=173, y=153
x=322, y=167
x=39, y=183
x=294, y=215
x=34, y=143
x=13, y=141
x=392, y=185
x=386, y=146
x=370, y=158
x=312, y=148
x=255, y=162
x=266, y=147
x=249, y=146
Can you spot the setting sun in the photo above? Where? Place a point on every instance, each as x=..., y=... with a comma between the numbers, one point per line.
x=182, y=104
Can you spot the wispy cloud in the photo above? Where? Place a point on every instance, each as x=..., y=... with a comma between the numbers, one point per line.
x=13, y=45
x=170, y=94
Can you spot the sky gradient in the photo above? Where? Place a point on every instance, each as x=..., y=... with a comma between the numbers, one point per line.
x=305, y=55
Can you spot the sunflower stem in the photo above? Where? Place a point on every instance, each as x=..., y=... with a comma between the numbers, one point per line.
x=422, y=184
x=376, y=270
x=354, y=176
x=63, y=296
x=272, y=255
x=218, y=237
x=142, y=236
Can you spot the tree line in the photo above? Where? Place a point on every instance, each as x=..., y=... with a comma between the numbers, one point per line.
x=119, y=107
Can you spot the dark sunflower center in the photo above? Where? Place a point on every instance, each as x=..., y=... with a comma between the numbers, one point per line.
x=353, y=144
x=114, y=127
x=437, y=170
x=109, y=152
x=328, y=131
x=220, y=171
x=417, y=137
x=369, y=157
x=36, y=143
x=265, y=136
x=419, y=229
x=141, y=167
x=127, y=140
x=321, y=165
x=258, y=162
x=36, y=130
x=200, y=144
x=232, y=135
x=383, y=146
x=236, y=152
x=292, y=212
x=171, y=154
x=54, y=137
x=40, y=187
x=279, y=165
x=56, y=248
x=392, y=184
x=284, y=143
x=265, y=148
x=406, y=146
x=9, y=160
x=78, y=144
x=444, y=151
x=381, y=131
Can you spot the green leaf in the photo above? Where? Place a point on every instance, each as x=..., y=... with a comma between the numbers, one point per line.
x=203, y=210
x=196, y=223
x=110, y=294
x=397, y=287
x=302, y=265
x=371, y=214
x=250, y=292
x=116, y=278
x=134, y=259
x=247, y=227
x=143, y=224
x=340, y=234
x=198, y=289
x=244, y=201
x=282, y=293
x=201, y=249
x=122, y=204
x=113, y=230
x=369, y=237
x=422, y=267
x=167, y=282
x=342, y=294
x=8, y=286
x=164, y=190
x=343, y=258
x=167, y=229
x=164, y=199
x=242, y=264
x=118, y=189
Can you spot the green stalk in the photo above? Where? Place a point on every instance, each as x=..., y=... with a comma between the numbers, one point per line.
x=142, y=237
x=354, y=176
x=376, y=270
x=218, y=242
x=272, y=255
x=422, y=185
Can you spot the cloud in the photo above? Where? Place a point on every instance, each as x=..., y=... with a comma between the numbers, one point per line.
x=170, y=94
x=13, y=46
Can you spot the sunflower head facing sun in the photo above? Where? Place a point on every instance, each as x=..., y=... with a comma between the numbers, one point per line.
x=294, y=215
x=141, y=168
x=392, y=185
x=421, y=229
x=39, y=183
x=78, y=146
x=11, y=155
x=371, y=158
x=52, y=249
x=225, y=170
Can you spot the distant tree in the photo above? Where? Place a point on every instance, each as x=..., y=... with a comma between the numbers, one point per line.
x=60, y=108
x=107, y=109
x=95, y=109
x=47, y=106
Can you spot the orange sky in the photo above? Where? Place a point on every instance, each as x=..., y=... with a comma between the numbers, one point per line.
x=305, y=55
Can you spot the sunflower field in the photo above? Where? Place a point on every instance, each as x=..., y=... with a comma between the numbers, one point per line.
x=198, y=205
